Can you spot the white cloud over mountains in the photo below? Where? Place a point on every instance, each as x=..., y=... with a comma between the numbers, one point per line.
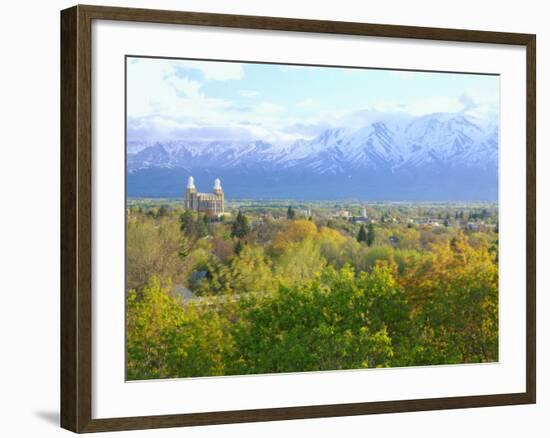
x=167, y=99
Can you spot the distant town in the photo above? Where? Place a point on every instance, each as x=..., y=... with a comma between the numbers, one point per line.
x=473, y=216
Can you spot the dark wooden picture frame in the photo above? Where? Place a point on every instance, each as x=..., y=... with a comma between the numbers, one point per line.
x=76, y=218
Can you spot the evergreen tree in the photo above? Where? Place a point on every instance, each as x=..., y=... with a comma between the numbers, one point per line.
x=188, y=223
x=163, y=211
x=290, y=213
x=238, y=247
x=240, y=227
x=200, y=227
x=193, y=225
x=362, y=235
x=370, y=235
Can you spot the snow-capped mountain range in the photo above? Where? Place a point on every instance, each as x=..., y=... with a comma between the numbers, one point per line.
x=442, y=156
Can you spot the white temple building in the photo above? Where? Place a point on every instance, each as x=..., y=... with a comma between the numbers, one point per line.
x=212, y=203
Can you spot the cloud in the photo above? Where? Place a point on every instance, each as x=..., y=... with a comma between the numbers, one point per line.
x=305, y=103
x=249, y=93
x=308, y=129
x=167, y=101
x=186, y=86
x=470, y=101
x=215, y=70
x=467, y=101
x=170, y=100
x=267, y=108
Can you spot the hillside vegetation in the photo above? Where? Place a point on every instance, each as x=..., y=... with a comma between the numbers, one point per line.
x=274, y=291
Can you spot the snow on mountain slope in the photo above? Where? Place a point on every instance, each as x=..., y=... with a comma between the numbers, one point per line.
x=384, y=143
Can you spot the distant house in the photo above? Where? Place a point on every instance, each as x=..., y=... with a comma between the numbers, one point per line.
x=426, y=221
x=183, y=293
x=394, y=240
x=342, y=214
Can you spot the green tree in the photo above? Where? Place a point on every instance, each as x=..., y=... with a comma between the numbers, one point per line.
x=310, y=327
x=194, y=225
x=201, y=229
x=218, y=279
x=362, y=235
x=153, y=247
x=377, y=254
x=239, y=247
x=389, y=311
x=162, y=211
x=165, y=338
x=251, y=271
x=188, y=223
x=240, y=227
x=300, y=263
x=370, y=235
x=290, y=213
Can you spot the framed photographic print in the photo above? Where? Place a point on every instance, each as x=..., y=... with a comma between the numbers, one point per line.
x=271, y=218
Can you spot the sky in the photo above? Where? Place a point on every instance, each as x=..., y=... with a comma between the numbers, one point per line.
x=213, y=100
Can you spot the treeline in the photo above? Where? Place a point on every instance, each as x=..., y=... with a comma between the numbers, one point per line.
x=296, y=295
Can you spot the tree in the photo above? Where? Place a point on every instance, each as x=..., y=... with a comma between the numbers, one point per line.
x=193, y=225
x=165, y=338
x=370, y=235
x=188, y=223
x=162, y=211
x=238, y=247
x=290, y=213
x=362, y=235
x=218, y=280
x=201, y=228
x=301, y=262
x=309, y=327
x=240, y=227
x=153, y=247
x=295, y=231
x=454, y=293
x=378, y=254
x=251, y=271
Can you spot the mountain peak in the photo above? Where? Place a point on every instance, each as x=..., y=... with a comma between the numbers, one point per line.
x=383, y=144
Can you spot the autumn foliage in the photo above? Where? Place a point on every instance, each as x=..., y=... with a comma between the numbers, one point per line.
x=295, y=295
